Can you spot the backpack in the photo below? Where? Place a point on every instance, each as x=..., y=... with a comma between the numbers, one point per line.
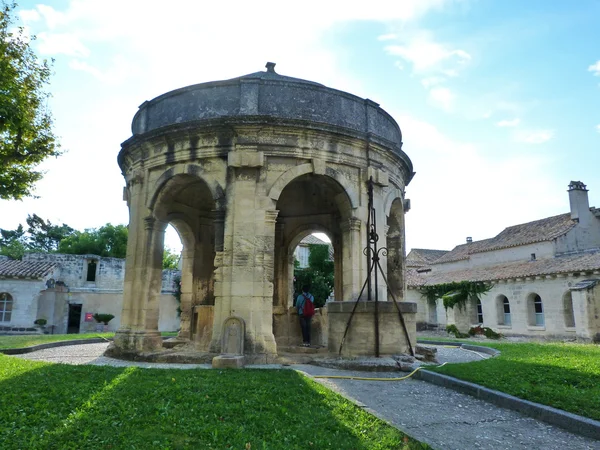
x=308, y=309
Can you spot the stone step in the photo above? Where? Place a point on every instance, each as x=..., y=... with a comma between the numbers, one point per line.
x=316, y=349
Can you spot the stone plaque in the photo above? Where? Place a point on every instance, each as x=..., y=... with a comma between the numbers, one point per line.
x=232, y=339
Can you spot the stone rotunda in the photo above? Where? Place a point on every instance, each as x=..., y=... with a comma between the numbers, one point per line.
x=244, y=169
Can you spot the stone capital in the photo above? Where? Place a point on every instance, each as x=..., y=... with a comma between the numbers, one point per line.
x=351, y=224
x=380, y=178
x=245, y=156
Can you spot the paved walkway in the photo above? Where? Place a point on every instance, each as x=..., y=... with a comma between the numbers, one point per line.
x=443, y=418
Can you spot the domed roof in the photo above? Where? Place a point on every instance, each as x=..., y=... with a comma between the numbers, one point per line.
x=271, y=75
x=266, y=97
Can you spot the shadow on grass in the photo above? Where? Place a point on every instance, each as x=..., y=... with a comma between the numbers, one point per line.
x=62, y=407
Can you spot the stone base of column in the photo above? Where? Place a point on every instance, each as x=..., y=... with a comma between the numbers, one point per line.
x=127, y=342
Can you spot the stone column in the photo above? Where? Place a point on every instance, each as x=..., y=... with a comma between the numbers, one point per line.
x=353, y=277
x=586, y=309
x=244, y=280
x=143, y=281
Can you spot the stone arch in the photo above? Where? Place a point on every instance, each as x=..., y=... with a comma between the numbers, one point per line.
x=192, y=170
x=390, y=197
x=291, y=174
x=395, y=246
x=535, y=310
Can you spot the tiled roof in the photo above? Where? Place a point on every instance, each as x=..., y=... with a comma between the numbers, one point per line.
x=463, y=251
x=25, y=269
x=586, y=262
x=423, y=256
x=526, y=233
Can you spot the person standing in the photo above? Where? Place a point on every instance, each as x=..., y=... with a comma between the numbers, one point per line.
x=305, y=303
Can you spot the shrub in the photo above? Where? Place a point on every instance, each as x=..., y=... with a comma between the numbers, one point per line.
x=40, y=322
x=451, y=329
x=103, y=318
x=484, y=331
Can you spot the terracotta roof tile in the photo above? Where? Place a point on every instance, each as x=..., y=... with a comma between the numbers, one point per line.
x=586, y=262
x=25, y=269
x=463, y=251
x=424, y=255
x=526, y=233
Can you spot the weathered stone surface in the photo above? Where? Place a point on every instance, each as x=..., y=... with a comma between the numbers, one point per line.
x=228, y=362
x=244, y=169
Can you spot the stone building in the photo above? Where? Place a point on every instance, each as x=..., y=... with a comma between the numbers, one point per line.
x=245, y=169
x=543, y=274
x=65, y=289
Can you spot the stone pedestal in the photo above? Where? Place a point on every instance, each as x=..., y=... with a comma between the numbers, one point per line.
x=360, y=340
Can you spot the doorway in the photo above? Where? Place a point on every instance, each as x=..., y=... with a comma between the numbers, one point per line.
x=74, y=318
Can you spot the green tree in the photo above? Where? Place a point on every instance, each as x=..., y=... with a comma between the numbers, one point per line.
x=25, y=122
x=318, y=275
x=43, y=236
x=170, y=260
x=108, y=240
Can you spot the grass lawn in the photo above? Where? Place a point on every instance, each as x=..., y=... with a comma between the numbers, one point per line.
x=28, y=340
x=20, y=341
x=55, y=406
x=565, y=376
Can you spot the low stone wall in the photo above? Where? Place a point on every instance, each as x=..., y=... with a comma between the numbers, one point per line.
x=360, y=340
x=286, y=327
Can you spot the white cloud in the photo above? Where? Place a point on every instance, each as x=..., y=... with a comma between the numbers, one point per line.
x=509, y=123
x=29, y=15
x=457, y=177
x=595, y=68
x=442, y=97
x=427, y=56
x=120, y=70
x=534, y=136
x=387, y=37
x=429, y=82
x=61, y=44
x=598, y=128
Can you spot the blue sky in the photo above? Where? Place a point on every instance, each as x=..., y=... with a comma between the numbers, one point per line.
x=497, y=100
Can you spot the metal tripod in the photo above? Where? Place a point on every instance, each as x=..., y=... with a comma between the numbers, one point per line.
x=373, y=255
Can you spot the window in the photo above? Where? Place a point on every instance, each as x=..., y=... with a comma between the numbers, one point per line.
x=503, y=309
x=302, y=253
x=539, y=311
x=6, y=304
x=479, y=312
x=535, y=310
x=568, y=310
x=506, y=311
x=91, y=271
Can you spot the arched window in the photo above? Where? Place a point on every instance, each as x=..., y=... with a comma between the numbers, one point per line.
x=536, y=310
x=6, y=304
x=503, y=306
x=479, y=312
x=568, y=310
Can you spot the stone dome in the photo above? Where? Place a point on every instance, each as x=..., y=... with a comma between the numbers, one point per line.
x=270, y=97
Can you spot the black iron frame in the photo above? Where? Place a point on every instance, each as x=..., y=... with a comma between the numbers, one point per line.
x=373, y=255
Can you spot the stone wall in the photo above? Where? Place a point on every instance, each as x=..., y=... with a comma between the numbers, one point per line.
x=360, y=339
x=25, y=294
x=555, y=292
x=286, y=327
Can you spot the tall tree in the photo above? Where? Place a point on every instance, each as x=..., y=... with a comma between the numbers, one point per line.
x=108, y=240
x=43, y=236
x=13, y=242
x=25, y=122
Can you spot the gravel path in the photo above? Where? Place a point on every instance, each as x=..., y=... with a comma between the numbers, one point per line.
x=443, y=418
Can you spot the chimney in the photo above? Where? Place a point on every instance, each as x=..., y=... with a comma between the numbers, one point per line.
x=469, y=240
x=580, y=205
